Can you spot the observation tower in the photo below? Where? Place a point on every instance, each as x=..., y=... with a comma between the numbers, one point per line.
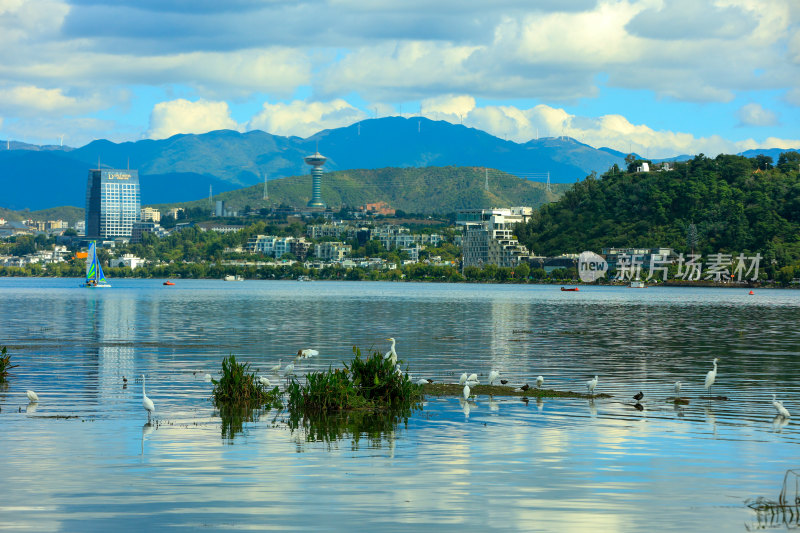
x=316, y=161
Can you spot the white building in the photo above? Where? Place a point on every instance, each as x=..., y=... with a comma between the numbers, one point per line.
x=489, y=236
x=127, y=260
x=332, y=251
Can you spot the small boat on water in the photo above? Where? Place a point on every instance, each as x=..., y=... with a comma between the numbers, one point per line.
x=636, y=284
x=303, y=278
x=95, y=279
x=168, y=282
x=571, y=289
x=237, y=277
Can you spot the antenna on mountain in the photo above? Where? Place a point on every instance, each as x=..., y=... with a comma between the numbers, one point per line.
x=209, y=194
x=486, y=170
x=419, y=126
x=537, y=134
x=359, y=129
x=129, y=162
x=61, y=140
x=548, y=182
x=266, y=191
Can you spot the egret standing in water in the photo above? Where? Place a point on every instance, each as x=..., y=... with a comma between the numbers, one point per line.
x=711, y=377
x=391, y=354
x=32, y=396
x=539, y=381
x=493, y=375
x=466, y=392
x=463, y=379
x=591, y=384
x=782, y=411
x=677, y=388
x=276, y=368
x=147, y=403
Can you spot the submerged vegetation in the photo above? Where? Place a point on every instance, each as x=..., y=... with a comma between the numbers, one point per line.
x=238, y=387
x=5, y=364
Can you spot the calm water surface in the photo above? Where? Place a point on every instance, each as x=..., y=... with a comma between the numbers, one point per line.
x=496, y=463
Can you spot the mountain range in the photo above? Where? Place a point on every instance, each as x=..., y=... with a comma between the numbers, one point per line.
x=184, y=167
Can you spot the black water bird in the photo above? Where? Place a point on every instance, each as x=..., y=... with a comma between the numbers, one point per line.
x=638, y=396
x=503, y=381
x=525, y=387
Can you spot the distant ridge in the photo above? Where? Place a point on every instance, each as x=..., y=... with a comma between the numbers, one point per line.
x=184, y=166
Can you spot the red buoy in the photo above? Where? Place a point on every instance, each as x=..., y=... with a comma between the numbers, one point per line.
x=751, y=292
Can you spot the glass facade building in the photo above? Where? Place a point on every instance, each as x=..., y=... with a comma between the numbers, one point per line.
x=113, y=202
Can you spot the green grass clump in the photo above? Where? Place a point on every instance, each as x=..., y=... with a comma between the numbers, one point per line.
x=367, y=383
x=5, y=364
x=238, y=386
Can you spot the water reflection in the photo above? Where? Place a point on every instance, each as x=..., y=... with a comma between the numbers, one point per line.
x=235, y=417
x=377, y=427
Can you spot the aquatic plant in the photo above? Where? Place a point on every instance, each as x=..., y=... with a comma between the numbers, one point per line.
x=5, y=364
x=239, y=386
x=366, y=383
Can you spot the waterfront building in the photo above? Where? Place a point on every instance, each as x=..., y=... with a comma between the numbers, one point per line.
x=489, y=236
x=140, y=228
x=332, y=251
x=127, y=260
x=113, y=202
x=150, y=215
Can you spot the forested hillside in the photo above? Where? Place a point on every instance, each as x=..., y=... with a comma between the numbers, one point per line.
x=737, y=204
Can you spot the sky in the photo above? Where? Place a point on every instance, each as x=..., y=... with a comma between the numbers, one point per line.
x=656, y=77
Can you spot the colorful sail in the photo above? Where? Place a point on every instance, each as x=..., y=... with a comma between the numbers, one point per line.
x=94, y=272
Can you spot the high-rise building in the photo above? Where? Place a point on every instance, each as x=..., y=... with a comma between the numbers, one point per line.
x=113, y=202
x=316, y=161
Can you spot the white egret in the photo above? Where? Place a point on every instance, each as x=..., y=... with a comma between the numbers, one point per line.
x=288, y=370
x=207, y=377
x=147, y=403
x=677, y=388
x=264, y=381
x=782, y=411
x=466, y=392
x=276, y=368
x=493, y=375
x=463, y=379
x=591, y=384
x=539, y=381
x=307, y=353
x=32, y=396
x=391, y=354
x=711, y=377
x=473, y=377
x=422, y=381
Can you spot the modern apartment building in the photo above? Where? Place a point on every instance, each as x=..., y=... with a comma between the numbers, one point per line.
x=489, y=236
x=113, y=203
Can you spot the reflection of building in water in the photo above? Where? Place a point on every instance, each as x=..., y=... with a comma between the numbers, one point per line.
x=115, y=329
x=506, y=318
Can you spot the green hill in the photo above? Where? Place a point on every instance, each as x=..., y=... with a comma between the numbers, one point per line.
x=737, y=205
x=414, y=190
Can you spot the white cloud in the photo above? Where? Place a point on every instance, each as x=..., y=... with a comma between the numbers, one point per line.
x=304, y=118
x=182, y=116
x=612, y=131
x=754, y=114
x=448, y=107
x=29, y=100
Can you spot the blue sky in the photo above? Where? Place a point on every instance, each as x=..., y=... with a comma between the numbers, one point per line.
x=659, y=77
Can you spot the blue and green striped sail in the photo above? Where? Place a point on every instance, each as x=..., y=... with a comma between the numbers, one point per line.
x=94, y=272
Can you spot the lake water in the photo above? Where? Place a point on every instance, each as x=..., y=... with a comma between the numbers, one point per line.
x=496, y=463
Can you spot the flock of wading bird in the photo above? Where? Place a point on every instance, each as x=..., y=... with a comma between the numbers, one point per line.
x=468, y=381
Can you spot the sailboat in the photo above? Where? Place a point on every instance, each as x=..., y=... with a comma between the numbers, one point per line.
x=95, y=279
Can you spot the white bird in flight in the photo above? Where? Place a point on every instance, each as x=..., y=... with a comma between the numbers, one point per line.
x=591, y=384
x=147, y=403
x=711, y=377
x=782, y=411
x=391, y=354
x=32, y=396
